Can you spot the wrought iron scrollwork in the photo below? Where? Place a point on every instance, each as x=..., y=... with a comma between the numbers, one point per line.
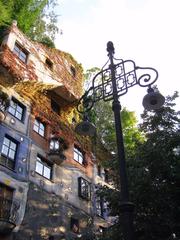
x=126, y=75
x=86, y=102
x=148, y=78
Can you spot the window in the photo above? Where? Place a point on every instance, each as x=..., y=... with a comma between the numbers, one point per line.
x=6, y=196
x=99, y=170
x=43, y=167
x=99, y=206
x=39, y=127
x=106, y=175
x=20, y=52
x=16, y=109
x=84, y=188
x=57, y=147
x=55, y=106
x=6, y=192
x=74, y=225
x=4, y=100
x=73, y=71
x=49, y=64
x=54, y=145
x=78, y=155
x=8, y=152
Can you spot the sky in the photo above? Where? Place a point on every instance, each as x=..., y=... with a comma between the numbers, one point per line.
x=146, y=31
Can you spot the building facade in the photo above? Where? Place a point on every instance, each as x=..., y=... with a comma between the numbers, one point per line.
x=48, y=174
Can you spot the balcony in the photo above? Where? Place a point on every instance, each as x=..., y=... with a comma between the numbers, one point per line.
x=8, y=215
x=56, y=150
x=4, y=104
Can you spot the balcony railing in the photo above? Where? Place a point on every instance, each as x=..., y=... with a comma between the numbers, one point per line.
x=8, y=215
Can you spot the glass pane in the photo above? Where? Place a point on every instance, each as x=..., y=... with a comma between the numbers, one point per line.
x=75, y=156
x=10, y=164
x=3, y=160
x=13, y=104
x=39, y=168
x=41, y=132
x=6, y=141
x=36, y=122
x=22, y=56
x=83, y=184
x=4, y=150
x=56, y=146
x=80, y=159
x=35, y=128
x=19, y=109
x=18, y=115
x=85, y=188
x=16, y=49
x=13, y=145
x=76, y=150
x=11, y=154
x=52, y=145
x=11, y=110
x=22, y=59
x=47, y=172
x=41, y=126
x=39, y=159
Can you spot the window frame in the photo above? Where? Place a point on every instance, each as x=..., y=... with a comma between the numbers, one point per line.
x=99, y=203
x=73, y=71
x=45, y=164
x=55, y=106
x=106, y=175
x=80, y=155
x=86, y=192
x=9, y=149
x=6, y=192
x=20, y=52
x=99, y=170
x=37, y=127
x=49, y=64
x=17, y=104
x=54, y=145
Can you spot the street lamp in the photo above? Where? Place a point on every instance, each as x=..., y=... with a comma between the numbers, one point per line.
x=109, y=84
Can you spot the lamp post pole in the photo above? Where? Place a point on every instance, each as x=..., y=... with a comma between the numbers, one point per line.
x=108, y=85
x=125, y=205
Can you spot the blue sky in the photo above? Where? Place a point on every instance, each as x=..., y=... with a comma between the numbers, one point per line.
x=146, y=31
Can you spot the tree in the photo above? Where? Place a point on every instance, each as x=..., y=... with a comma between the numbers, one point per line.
x=35, y=18
x=5, y=12
x=154, y=176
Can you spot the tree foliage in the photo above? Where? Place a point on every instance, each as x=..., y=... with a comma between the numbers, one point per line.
x=154, y=175
x=36, y=18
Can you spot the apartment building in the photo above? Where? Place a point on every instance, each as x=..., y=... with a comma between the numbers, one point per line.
x=48, y=173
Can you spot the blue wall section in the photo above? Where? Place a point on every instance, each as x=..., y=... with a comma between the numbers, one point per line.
x=21, y=165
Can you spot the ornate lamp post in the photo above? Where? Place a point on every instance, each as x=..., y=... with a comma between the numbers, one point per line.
x=110, y=84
